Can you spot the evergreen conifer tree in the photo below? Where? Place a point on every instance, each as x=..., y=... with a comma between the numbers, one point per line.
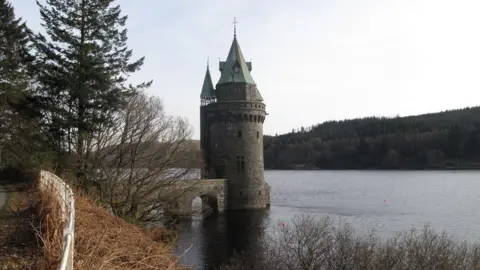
x=14, y=57
x=82, y=67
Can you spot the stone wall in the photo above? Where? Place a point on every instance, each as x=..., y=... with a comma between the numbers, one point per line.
x=236, y=151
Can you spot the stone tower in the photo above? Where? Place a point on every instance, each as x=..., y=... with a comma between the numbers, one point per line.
x=231, y=127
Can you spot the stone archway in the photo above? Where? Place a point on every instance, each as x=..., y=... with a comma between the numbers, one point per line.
x=209, y=205
x=210, y=192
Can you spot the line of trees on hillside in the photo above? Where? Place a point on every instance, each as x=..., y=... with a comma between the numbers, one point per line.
x=66, y=104
x=449, y=139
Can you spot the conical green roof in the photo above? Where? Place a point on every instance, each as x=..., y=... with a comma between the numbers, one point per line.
x=258, y=97
x=235, y=68
x=207, y=90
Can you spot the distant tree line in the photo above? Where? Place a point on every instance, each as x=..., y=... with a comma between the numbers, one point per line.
x=449, y=139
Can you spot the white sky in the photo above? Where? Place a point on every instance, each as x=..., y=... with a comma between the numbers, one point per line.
x=313, y=60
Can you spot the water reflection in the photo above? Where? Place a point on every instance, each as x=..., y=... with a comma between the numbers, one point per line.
x=212, y=241
x=387, y=202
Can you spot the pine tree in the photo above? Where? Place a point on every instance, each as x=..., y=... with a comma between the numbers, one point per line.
x=82, y=69
x=14, y=57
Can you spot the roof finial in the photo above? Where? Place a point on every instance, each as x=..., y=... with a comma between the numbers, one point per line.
x=208, y=61
x=235, y=27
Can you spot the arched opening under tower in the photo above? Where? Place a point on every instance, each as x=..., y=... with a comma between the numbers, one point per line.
x=204, y=205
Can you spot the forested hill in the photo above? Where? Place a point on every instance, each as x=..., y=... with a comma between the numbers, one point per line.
x=449, y=139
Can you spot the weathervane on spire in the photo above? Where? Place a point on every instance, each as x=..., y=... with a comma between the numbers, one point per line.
x=235, y=26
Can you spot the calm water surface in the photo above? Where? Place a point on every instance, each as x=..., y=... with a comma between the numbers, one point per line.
x=387, y=202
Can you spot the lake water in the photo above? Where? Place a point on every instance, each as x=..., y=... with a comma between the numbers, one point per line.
x=388, y=202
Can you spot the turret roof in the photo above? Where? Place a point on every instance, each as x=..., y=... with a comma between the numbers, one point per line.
x=207, y=90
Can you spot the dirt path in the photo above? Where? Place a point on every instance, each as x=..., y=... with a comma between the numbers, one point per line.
x=18, y=243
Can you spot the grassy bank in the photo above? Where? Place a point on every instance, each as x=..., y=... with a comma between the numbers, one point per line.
x=31, y=236
x=104, y=241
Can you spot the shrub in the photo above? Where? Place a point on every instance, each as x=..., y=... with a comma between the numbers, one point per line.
x=311, y=244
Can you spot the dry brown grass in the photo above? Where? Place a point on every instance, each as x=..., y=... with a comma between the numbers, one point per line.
x=50, y=231
x=104, y=241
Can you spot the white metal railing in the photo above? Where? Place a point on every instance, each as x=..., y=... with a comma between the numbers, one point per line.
x=49, y=182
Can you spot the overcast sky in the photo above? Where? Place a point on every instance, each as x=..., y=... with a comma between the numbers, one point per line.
x=313, y=60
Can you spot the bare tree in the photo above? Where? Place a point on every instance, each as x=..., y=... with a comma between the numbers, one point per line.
x=137, y=163
x=307, y=243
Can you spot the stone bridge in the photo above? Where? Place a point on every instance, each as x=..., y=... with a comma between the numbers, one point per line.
x=213, y=193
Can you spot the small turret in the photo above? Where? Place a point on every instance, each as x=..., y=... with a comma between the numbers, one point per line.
x=207, y=95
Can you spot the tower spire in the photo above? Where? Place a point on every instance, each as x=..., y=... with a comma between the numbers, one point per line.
x=235, y=69
x=208, y=91
x=235, y=27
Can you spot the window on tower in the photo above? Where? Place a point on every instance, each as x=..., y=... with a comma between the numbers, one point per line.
x=258, y=135
x=238, y=164
x=243, y=164
x=239, y=134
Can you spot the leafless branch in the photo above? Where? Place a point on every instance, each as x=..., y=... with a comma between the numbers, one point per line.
x=137, y=162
